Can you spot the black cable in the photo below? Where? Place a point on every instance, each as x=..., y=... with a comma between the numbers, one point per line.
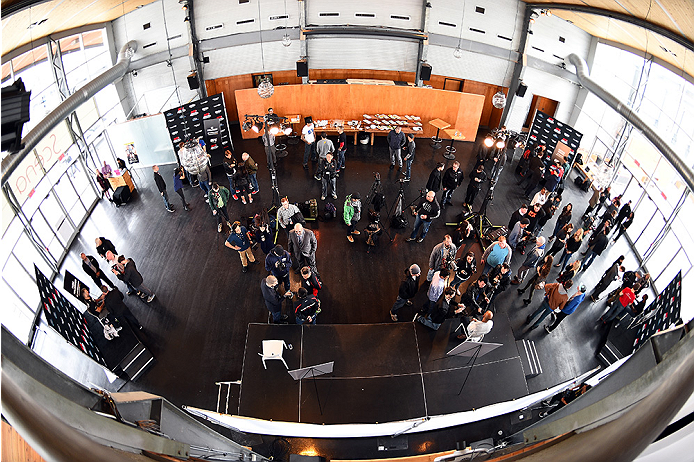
x=169, y=62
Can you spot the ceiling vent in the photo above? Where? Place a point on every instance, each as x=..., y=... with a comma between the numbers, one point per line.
x=479, y=31
x=364, y=15
x=216, y=26
x=479, y=9
x=245, y=21
x=447, y=24
x=328, y=15
x=403, y=18
x=276, y=18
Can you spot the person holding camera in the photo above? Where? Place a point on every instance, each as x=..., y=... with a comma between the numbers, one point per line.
x=427, y=210
x=465, y=268
x=442, y=256
x=273, y=300
x=327, y=173
x=278, y=262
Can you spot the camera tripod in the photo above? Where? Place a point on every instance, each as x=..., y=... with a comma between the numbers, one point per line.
x=376, y=188
x=275, y=188
x=481, y=223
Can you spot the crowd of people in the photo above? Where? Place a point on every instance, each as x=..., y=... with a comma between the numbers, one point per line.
x=459, y=283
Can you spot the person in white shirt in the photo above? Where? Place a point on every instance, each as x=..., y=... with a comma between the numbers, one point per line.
x=308, y=136
x=540, y=198
x=478, y=329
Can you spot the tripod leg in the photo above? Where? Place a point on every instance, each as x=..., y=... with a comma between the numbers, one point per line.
x=320, y=408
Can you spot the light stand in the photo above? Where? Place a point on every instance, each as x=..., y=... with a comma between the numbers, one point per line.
x=376, y=189
x=275, y=188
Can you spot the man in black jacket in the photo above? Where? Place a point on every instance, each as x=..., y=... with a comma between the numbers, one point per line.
x=113, y=302
x=103, y=245
x=434, y=181
x=516, y=216
x=396, y=140
x=273, y=300
x=427, y=210
x=91, y=267
x=451, y=180
x=598, y=246
x=476, y=179
x=408, y=289
x=161, y=186
x=131, y=277
x=444, y=308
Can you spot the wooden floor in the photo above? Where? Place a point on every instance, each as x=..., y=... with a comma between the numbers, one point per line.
x=196, y=327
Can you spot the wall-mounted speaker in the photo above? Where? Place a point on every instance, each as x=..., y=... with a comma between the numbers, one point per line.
x=425, y=71
x=193, y=82
x=522, y=88
x=302, y=68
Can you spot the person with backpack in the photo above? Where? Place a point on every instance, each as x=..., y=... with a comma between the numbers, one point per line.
x=352, y=214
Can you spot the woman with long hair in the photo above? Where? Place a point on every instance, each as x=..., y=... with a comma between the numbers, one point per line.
x=537, y=282
x=572, y=245
x=561, y=238
x=563, y=218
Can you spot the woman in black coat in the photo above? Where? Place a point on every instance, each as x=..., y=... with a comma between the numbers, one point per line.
x=563, y=218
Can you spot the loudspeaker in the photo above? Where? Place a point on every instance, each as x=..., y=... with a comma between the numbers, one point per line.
x=522, y=88
x=425, y=71
x=302, y=68
x=193, y=82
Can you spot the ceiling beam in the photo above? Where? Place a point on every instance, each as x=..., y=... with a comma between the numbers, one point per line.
x=615, y=15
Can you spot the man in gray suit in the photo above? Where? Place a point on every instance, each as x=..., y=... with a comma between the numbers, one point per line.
x=302, y=246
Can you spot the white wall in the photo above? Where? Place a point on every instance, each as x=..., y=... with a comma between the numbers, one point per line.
x=383, y=12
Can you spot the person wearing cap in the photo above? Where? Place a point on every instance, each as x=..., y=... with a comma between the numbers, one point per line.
x=408, y=289
x=278, y=262
x=530, y=261
x=351, y=214
x=575, y=300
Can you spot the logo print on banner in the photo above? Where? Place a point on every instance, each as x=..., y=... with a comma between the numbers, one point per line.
x=187, y=119
x=667, y=312
x=543, y=125
x=62, y=316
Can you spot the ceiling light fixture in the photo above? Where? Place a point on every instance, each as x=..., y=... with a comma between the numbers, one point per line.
x=265, y=87
x=499, y=100
x=286, y=40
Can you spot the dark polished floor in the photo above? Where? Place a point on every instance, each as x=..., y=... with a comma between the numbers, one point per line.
x=196, y=327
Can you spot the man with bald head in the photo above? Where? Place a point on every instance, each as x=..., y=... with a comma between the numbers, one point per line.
x=427, y=210
x=302, y=246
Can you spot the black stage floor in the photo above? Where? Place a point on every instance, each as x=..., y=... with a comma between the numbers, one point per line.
x=196, y=327
x=382, y=372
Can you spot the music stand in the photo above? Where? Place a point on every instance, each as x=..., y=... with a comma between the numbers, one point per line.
x=313, y=371
x=472, y=350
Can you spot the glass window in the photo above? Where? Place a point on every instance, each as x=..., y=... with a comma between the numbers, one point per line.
x=668, y=185
x=665, y=253
x=28, y=256
x=682, y=262
x=645, y=241
x=22, y=282
x=7, y=73
x=16, y=316
x=93, y=43
x=642, y=215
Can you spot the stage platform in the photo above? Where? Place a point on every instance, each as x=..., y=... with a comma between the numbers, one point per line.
x=382, y=373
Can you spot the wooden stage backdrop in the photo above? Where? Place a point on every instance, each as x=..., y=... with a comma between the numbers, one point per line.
x=349, y=102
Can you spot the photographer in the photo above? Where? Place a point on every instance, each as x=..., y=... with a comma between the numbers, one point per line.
x=442, y=256
x=278, y=262
x=327, y=173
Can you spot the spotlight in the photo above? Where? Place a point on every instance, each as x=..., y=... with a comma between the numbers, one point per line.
x=274, y=130
x=257, y=126
x=287, y=131
x=548, y=12
x=489, y=141
x=500, y=144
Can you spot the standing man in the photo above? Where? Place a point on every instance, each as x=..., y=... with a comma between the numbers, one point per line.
x=103, y=245
x=327, y=173
x=497, y=253
x=302, y=246
x=441, y=256
x=91, y=267
x=409, y=157
x=279, y=262
x=286, y=214
x=218, y=199
x=308, y=136
x=341, y=148
x=477, y=178
x=434, y=181
x=252, y=170
x=444, y=308
x=178, y=177
x=598, y=247
x=610, y=275
x=352, y=214
x=518, y=232
x=307, y=308
x=238, y=240
x=396, y=140
x=324, y=146
x=161, y=186
x=270, y=151
x=407, y=291
x=517, y=215
x=427, y=210
x=451, y=180
x=499, y=159
x=205, y=179
x=554, y=175
x=273, y=300
x=575, y=300
x=531, y=260
x=132, y=278
x=556, y=296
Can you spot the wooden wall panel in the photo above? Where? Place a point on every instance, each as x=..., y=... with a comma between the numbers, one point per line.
x=15, y=448
x=461, y=110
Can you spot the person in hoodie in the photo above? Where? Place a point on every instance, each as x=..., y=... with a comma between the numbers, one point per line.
x=351, y=214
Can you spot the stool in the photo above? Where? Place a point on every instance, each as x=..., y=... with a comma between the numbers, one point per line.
x=281, y=150
x=450, y=151
x=435, y=140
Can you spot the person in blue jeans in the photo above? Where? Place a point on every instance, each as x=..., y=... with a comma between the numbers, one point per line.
x=556, y=296
x=252, y=169
x=497, y=253
x=409, y=157
x=427, y=210
x=307, y=308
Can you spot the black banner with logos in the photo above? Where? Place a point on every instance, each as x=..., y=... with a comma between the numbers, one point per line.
x=206, y=118
x=549, y=131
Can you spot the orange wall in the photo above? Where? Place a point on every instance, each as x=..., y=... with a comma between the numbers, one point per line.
x=349, y=102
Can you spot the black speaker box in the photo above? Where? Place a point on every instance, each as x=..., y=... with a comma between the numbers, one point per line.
x=425, y=71
x=522, y=88
x=193, y=82
x=302, y=68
